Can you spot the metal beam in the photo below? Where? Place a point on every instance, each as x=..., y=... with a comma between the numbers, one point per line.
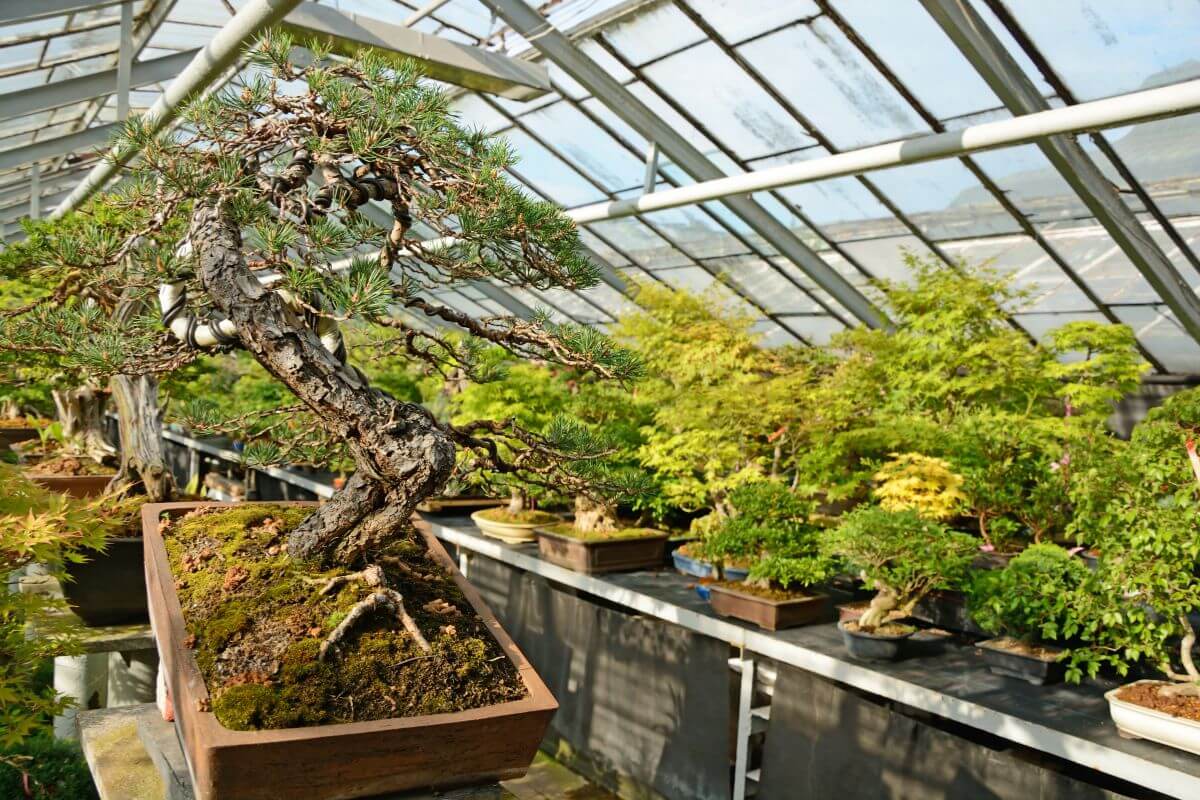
x=89, y=87
x=22, y=190
x=1016, y=90
x=35, y=191
x=25, y=12
x=47, y=148
x=560, y=51
x=217, y=56
x=441, y=59
x=125, y=60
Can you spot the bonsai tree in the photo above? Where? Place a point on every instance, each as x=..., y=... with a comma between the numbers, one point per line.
x=1137, y=606
x=769, y=527
x=258, y=263
x=900, y=555
x=1032, y=598
x=726, y=411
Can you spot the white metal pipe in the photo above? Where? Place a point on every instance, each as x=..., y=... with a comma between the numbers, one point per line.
x=217, y=56
x=423, y=12
x=1124, y=109
x=125, y=59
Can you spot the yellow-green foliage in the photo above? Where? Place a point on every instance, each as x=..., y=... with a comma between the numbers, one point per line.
x=920, y=483
x=39, y=527
x=726, y=410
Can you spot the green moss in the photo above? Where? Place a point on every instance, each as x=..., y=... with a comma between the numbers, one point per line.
x=527, y=517
x=568, y=529
x=258, y=618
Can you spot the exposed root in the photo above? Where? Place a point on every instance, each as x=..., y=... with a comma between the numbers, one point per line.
x=1180, y=690
x=383, y=599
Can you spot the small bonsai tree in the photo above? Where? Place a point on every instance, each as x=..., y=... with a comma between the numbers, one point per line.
x=1137, y=606
x=769, y=526
x=1032, y=597
x=250, y=255
x=900, y=555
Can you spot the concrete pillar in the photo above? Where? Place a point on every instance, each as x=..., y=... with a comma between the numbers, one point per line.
x=131, y=677
x=84, y=679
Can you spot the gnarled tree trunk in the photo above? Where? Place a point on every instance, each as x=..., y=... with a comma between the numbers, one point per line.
x=140, y=421
x=401, y=454
x=594, y=516
x=81, y=415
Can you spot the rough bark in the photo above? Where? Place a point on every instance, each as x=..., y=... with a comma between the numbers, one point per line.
x=882, y=605
x=594, y=516
x=10, y=409
x=516, y=500
x=81, y=414
x=400, y=453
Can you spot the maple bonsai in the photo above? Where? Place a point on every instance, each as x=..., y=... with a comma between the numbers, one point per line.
x=267, y=180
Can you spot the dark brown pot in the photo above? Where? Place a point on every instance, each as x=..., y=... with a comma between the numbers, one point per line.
x=948, y=610
x=772, y=615
x=602, y=555
x=349, y=760
x=110, y=587
x=78, y=486
x=457, y=505
x=11, y=436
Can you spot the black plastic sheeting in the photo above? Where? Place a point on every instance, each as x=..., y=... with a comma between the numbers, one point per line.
x=825, y=741
x=639, y=699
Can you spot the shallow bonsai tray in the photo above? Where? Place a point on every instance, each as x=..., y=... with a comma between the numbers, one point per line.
x=1135, y=721
x=602, y=555
x=78, y=486
x=346, y=760
x=507, y=532
x=772, y=615
x=11, y=436
x=1027, y=667
x=110, y=587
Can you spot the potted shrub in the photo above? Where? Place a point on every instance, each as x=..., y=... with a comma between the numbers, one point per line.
x=1137, y=606
x=257, y=606
x=902, y=557
x=595, y=541
x=1025, y=605
x=769, y=524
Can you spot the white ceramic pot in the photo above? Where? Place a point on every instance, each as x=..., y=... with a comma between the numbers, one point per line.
x=1138, y=722
x=510, y=532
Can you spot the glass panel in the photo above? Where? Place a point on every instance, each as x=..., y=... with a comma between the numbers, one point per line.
x=609, y=299
x=695, y=232
x=883, y=257
x=475, y=112
x=200, y=12
x=1159, y=333
x=842, y=94
x=1032, y=268
x=816, y=329
x=605, y=59
x=23, y=80
x=1160, y=156
x=672, y=118
x=944, y=200
x=652, y=33
x=763, y=284
x=643, y=245
x=1039, y=325
x=586, y=145
x=1031, y=183
x=1102, y=47
x=602, y=249
x=61, y=46
x=579, y=309
x=775, y=335
x=736, y=20
x=727, y=102
x=549, y=174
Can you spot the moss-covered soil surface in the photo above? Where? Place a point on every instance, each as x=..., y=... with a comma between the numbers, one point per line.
x=568, y=529
x=256, y=620
x=527, y=517
x=765, y=592
x=22, y=422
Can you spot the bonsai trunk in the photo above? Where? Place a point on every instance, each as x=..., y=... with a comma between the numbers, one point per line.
x=81, y=414
x=592, y=516
x=882, y=604
x=9, y=409
x=1189, y=680
x=140, y=420
x=401, y=454
x=516, y=501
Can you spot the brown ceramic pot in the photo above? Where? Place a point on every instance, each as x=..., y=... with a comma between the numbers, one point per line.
x=348, y=760
x=602, y=555
x=772, y=615
x=78, y=486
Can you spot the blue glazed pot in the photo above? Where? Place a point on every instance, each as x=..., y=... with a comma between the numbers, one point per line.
x=691, y=566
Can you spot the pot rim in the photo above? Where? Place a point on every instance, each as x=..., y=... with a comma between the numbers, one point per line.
x=525, y=526
x=988, y=644
x=863, y=634
x=1113, y=700
x=541, y=531
x=816, y=597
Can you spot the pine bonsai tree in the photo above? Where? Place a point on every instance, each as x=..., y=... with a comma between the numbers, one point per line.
x=251, y=210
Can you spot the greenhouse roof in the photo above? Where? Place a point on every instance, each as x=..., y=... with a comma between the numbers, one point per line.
x=653, y=94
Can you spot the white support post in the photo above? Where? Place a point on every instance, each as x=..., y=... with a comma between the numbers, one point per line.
x=35, y=191
x=125, y=60
x=464, y=561
x=651, y=169
x=741, y=764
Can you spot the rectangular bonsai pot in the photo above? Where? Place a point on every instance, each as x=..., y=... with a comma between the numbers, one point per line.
x=11, y=436
x=772, y=615
x=602, y=555
x=1134, y=721
x=347, y=760
x=1025, y=666
x=77, y=486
